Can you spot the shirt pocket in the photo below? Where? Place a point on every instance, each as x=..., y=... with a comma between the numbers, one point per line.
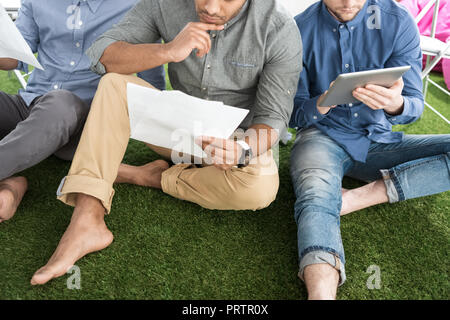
x=242, y=71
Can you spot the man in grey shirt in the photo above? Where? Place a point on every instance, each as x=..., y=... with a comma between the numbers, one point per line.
x=246, y=53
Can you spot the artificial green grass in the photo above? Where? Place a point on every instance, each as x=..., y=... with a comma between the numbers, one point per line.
x=165, y=248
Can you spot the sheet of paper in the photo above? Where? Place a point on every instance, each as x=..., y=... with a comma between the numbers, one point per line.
x=172, y=119
x=12, y=43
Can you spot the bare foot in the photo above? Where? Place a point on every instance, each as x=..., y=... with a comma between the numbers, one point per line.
x=12, y=191
x=86, y=233
x=148, y=175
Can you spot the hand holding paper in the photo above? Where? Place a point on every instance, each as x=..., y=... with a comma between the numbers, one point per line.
x=172, y=119
x=12, y=43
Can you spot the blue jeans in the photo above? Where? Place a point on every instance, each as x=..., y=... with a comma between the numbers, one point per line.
x=418, y=166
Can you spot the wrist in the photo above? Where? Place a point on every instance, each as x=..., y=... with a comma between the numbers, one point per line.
x=245, y=155
x=167, y=52
x=396, y=110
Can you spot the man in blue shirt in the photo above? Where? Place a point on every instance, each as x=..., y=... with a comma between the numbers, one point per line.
x=341, y=36
x=48, y=116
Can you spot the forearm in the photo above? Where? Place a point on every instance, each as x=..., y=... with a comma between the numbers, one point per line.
x=8, y=64
x=260, y=138
x=125, y=58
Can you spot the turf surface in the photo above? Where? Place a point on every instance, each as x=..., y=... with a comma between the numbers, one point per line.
x=169, y=249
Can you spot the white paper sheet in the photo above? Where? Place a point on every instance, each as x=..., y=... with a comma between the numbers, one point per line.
x=12, y=43
x=173, y=119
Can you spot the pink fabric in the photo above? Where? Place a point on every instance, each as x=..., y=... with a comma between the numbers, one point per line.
x=442, y=28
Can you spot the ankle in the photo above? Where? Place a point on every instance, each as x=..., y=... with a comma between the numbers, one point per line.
x=89, y=206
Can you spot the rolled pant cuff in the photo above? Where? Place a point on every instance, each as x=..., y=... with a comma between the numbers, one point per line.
x=393, y=189
x=319, y=257
x=72, y=185
x=169, y=179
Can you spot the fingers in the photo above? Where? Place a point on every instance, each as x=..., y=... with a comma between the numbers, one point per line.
x=331, y=84
x=199, y=34
x=371, y=98
x=203, y=42
x=207, y=26
x=391, y=93
x=219, y=151
x=378, y=97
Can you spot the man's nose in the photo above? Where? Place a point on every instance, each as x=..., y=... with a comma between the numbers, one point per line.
x=212, y=7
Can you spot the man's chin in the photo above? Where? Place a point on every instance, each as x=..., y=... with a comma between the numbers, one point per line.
x=346, y=17
x=216, y=22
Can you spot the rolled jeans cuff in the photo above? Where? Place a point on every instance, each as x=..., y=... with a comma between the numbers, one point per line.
x=319, y=257
x=72, y=185
x=393, y=188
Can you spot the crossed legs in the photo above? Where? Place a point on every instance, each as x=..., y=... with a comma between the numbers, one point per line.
x=96, y=166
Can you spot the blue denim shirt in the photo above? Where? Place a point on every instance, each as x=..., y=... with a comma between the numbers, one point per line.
x=382, y=35
x=60, y=31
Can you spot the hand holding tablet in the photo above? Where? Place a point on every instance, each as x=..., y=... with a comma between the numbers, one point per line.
x=378, y=89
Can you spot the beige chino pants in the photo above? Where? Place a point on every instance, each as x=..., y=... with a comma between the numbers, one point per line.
x=103, y=145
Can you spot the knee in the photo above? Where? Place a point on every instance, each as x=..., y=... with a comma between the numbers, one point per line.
x=318, y=189
x=64, y=107
x=112, y=79
x=316, y=182
x=256, y=194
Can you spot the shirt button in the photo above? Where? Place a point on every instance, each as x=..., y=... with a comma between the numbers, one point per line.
x=352, y=28
x=55, y=86
x=80, y=23
x=77, y=44
x=289, y=91
x=334, y=30
x=213, y=35
x=356, y=115
x=72, y=63
x=315, y=117
x=350, y=104
x=341, y=26
x=347, y=65
x=208, y=66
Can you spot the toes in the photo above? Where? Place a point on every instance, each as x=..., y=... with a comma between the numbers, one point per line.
x=41, y=277
x=44, y=275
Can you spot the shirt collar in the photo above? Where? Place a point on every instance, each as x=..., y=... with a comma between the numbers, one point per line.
x=241, y=13
x=334, y=23
x=93, y=4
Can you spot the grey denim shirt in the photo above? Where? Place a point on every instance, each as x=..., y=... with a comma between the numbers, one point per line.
x=254, y=63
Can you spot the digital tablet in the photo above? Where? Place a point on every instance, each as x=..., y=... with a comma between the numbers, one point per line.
x=341, y=90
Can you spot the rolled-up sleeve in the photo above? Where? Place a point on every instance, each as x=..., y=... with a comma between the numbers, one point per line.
x=278, y=81
x=138, y=26
x=27, y=26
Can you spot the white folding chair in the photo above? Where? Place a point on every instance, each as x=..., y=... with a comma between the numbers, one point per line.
x=432, y=47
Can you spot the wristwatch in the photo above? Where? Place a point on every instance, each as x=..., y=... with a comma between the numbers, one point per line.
x=246, y=155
